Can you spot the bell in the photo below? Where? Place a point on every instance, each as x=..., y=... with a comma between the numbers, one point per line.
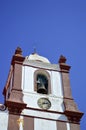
x=41, y=88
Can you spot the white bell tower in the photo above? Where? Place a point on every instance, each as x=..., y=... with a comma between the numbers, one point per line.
x=43, y=94
x=38, y=95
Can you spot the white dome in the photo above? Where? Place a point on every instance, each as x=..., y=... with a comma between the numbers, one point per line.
x=37, y=57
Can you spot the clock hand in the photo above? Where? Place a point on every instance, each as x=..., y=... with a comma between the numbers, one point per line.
x=45, y=103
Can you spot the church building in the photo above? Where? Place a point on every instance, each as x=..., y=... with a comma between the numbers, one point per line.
x=37, y=95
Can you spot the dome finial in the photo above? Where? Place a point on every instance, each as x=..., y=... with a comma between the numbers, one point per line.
x=34, y=50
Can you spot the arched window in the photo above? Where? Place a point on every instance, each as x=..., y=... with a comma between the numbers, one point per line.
x=42, y=82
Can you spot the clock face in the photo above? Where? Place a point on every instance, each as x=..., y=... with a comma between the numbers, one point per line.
x=44, y=103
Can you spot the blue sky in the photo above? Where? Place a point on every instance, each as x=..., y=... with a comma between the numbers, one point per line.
x=54, y=27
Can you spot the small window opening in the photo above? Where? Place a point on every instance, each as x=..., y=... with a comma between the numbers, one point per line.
x=42, y=84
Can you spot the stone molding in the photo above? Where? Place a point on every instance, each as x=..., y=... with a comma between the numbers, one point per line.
x=15, y=107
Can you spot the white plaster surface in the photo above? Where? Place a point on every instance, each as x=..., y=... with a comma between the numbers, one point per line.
x=28, y=78
x=47, y=115
x=31, y=100
x=56, y=85
x=35, y=56
x=41, y=124
x=68, y=126
x=3, y=120
x=31, y=97
x=41, y=65
x=28, y=81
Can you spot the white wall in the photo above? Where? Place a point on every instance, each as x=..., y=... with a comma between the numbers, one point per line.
x=31, y=97
x=41, y=124
x=28, y=81
x=31, y=100
x=43, y=114
x=56, y=84
x=3, y=120
x=68, y=126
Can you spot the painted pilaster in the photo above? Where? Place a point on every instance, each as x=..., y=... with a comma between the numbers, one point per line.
x=61, y=125
x=28, y=123
x=17, y=61
x=74, y=126
x=14, y=102
x=13, y=122
x=71, y=110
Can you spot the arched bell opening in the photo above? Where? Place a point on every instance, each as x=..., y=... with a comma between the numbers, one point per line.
x=42, y=84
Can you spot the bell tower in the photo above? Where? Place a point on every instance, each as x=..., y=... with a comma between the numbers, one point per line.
x=38, y=95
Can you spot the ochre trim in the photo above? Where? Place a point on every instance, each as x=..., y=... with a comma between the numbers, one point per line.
x=15, y=107
x=12, y=122
x=17, y=76
x=28, y=123
x=62, y=63
x=8, y=81
x=71, y=110
x=17, y=58
x=16, y=94
x=74, y=126
x=73, y=116
x=66, y=85
x=61, y=125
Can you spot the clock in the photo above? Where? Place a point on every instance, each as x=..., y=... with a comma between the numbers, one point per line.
x=44, y=103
